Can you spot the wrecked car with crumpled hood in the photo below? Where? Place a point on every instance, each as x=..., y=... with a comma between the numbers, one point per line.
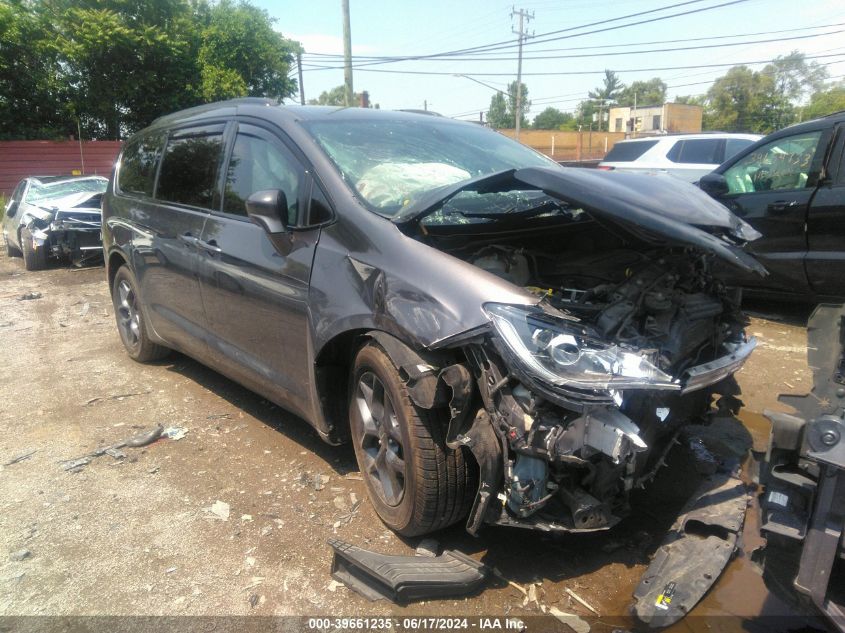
x=55, y=217
x=503, y=340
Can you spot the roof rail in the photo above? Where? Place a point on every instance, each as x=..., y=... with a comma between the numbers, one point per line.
x=217, y=104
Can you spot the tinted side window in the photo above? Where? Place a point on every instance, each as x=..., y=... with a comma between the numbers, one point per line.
x=703, y=150
x=189, y=169
x=625, y=152
x=138, y=166
x=14, y=202
x=18, y=192
x=674, y=154
x=786, y=163
x=258, y=164
x=734, y=146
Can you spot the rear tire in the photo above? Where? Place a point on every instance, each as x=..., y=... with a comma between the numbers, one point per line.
x=129, y=314
x=33, y=258
x=415, y=482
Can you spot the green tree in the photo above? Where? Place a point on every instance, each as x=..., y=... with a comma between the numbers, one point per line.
x=795, y=77
x=526, y=105
x=748, y=101
x=644, y=93
x=497, y=114
x=788, y=81
x=337, y=97
x=242, y=55
x=699, y=100
x=552, y=119
x=31, y=99
x=115, y=65
x=334, y=97
x=734, y=101
x=585, y=111
x=603, y=96
x=502, y=111
x=610, y=89
x=825, y=102
x=123, y=62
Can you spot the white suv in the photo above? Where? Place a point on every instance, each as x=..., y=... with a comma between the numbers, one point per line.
x=687, y=156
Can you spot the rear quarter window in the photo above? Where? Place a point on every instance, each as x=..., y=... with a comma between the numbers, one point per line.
x=627, y=152
x=189, y=169
x=696, y=151
x=138, y=165
x=734, y=146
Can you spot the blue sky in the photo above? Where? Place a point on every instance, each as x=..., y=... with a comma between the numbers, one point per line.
x=411, y=28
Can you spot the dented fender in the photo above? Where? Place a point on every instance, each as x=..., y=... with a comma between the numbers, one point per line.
x=408, y=289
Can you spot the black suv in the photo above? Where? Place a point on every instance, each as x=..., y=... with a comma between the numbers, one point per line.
x=790, y=186
x=500, y=337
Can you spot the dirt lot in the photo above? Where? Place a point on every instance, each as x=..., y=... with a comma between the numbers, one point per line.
x=136, y=536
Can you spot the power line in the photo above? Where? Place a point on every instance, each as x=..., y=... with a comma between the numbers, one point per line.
x=583, y=26
x=509, y=44
x=585, y=72
x=604, y=46
x=617, y=53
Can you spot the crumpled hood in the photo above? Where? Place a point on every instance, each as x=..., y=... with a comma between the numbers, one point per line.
x=653, y=208
x=69, y=201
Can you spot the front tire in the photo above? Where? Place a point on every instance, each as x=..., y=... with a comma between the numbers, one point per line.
x=415, y=482
x=33, y=258
x=11, y=251
x=130, y=319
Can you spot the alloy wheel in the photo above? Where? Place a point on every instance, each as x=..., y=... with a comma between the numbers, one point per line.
x=381, y=440
x=128, y=316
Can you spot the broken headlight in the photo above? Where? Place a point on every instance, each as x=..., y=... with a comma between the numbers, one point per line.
x=564, y=353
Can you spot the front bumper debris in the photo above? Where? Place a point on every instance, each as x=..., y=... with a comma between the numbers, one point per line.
x=694, y=553
x=403, y=579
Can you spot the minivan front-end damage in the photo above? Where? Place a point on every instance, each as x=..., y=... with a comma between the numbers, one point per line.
x=569, y=404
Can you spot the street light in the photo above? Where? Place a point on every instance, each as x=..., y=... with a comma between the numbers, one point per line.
x=480, y=82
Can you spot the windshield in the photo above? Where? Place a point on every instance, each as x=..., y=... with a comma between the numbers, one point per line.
x=390, y=164
x=38, y=192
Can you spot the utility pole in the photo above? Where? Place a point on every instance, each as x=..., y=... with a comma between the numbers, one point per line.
x=524, y=16
x=347, y=54
x=299, y=70
x=81, y=153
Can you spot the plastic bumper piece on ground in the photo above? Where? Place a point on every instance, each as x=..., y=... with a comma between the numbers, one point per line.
x=403, y=579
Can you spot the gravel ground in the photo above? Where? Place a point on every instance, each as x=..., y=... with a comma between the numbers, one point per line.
x=137, y=536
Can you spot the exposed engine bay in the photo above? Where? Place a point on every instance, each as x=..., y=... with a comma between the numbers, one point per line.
x=659, y=301
x=587, y=411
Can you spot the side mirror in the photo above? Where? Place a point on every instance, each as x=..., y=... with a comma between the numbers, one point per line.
x=269, y=209
x=713, y=184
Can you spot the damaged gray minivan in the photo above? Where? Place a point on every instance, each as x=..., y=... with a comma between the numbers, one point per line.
x=503, y=340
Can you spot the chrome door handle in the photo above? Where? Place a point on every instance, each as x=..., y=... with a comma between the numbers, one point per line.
x=189, y=239
x=211, y=246
x=783, y=205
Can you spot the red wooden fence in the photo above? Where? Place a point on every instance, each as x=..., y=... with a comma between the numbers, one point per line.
x=19, y=159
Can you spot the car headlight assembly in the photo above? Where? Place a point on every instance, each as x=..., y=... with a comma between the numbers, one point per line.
x=562, y=353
